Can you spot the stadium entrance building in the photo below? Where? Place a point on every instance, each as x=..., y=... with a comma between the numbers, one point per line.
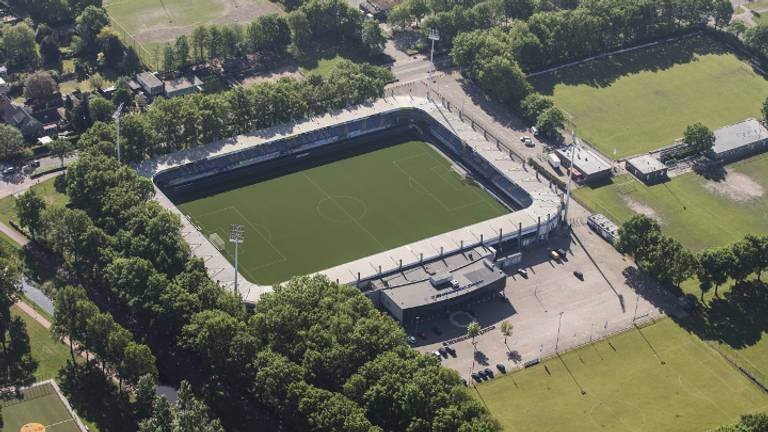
x=437, y=287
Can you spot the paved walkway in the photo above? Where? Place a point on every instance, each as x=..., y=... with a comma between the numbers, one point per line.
x=13, y=234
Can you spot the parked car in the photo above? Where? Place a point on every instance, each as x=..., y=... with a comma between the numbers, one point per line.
x=529, y=143
x=464, y=381
x=411, y=340
x=562, y=252
x=523, y=272
x=534, y=130
x=443, y=352
x=451, y=350
x=437, y=354
x=477, y=377
x=524, y=139
x=488, y=372
x=554, y=255
x=35, y=164
x=9, y=171
x=501, y=368
x=579, y=275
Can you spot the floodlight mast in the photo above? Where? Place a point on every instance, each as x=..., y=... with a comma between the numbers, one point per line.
x=116, y=118
x=433, y=35
x=570, y=177
x=236, y=236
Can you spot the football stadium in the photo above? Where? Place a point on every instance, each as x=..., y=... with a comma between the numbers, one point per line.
x=398, y=196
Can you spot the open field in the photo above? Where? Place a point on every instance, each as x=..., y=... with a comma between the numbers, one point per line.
x=154, y=22
x=50, y=354
x=316, y=218
x=45, y=189
x=698, y=212
x=626, y=387
x=41, y=405
x=635, y=102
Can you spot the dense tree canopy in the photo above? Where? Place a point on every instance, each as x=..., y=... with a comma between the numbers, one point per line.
x=19, y=46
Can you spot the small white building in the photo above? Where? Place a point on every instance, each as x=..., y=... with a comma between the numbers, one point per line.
x=647, y=168
x=150, y=83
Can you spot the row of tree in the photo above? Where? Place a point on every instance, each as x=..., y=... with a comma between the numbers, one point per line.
x=314, y=355
x=54, y=11
x=89, y=331
x=747, y=423
x=184, y=122
x=671, y=263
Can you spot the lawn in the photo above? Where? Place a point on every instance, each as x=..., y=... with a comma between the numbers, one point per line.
x=154, y=22
x=698, y=212
x=46, y=189
x=306, y=221
x=50, y=354
x=41, y=405
x=635, y=102
x=626, y=387
x=757, y=5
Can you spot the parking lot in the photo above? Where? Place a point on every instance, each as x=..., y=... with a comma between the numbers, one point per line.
x=551, y=310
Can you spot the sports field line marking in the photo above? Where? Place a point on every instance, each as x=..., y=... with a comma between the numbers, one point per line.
x=58, y=423
x=279, y=252
x=343, y=209
x=426, y=190
x=205, y=215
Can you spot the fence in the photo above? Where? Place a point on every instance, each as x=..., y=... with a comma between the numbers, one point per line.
x=33, y=392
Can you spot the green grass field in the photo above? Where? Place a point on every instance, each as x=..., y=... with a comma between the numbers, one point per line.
x=331, y=214
x=643, y=100
x=627, y=388
x=50, y=354
x=155, y=22
x=41, y=405
x=45, y=189
x=697, y=212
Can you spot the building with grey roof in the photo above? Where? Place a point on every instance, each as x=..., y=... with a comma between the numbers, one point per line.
x=182, y=86
x=739, y=140
x=589, y=167
x=150, y=83
x=647, y=169
x=437, y=286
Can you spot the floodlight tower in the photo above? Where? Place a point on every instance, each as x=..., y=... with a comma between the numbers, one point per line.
x=236, y=236
x=570, y=177
x=116, y=118
x=433, y=35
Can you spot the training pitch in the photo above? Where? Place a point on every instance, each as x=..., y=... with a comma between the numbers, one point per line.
x=322, y=216
x=626, y=387
x=153, y=22
x=697, y=211
x=41, y=405
x=642, y=100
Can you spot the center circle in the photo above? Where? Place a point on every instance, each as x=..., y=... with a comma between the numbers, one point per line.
x=342, y=208
x=461, y=319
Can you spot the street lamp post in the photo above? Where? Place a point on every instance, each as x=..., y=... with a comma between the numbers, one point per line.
x=433, y=35
x=116, y=118
x=236, y=236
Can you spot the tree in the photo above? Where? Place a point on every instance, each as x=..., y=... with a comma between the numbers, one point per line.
x=138, y=139
x=137, y=361
x=96, y=81
x=757, y=38
x=506, y=330
x=29, y=207
x=169, y=59
x=188, y=414
x=109, y=43
x=519, y=9
x=62, y=148
x=40, y=85
x=199, y=43
x=19, y=47
x=11, y=141
x=722, y=12
x=534, y=105
x=100, y=109
x=550, y=122
x=68, y=319
x=50, y=51
x=131, y=62
x=181, y=51
x=698, y=138
x=300, y=30
x=473, y=331
x=637, y=234
x=372, y=37
x=715, y=266
x=16, y=363
x=144, y=394
x=88, y=25
x=765, y=110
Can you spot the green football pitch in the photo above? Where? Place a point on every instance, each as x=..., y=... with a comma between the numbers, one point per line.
x=626, y=387
x=41, y=405
x=698, y=212
x=639, y=101
x=330, y=214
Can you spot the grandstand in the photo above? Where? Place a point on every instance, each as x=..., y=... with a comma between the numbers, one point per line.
x=536, y=204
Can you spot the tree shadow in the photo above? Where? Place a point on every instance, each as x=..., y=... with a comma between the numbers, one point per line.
x=737, y=319
x=481, y=358
x=714, y=172
x=514, y=356
x=96, y=398
x=605, y=71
